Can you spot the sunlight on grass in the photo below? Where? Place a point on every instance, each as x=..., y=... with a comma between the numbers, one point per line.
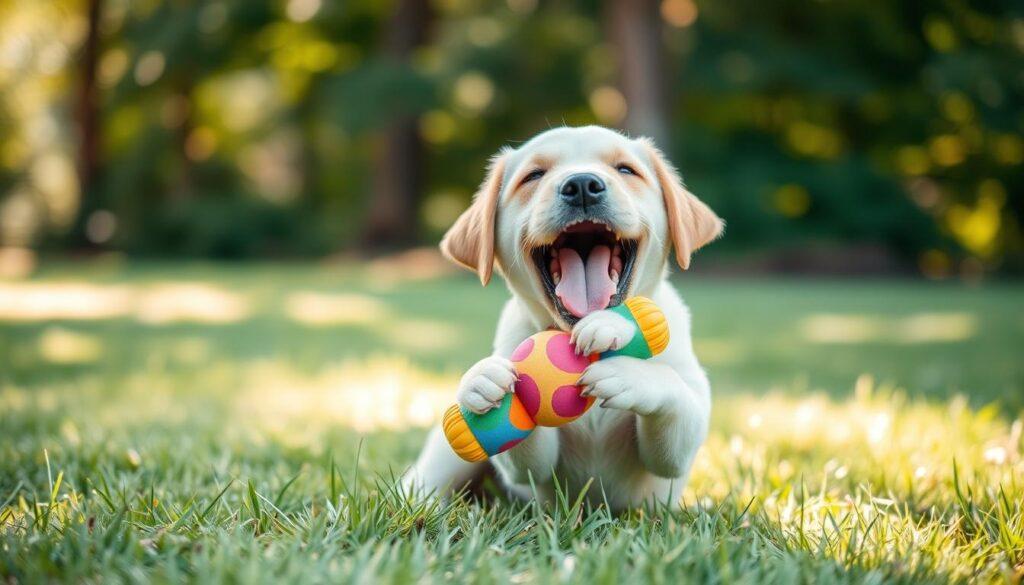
x=379, y=394
x=63, y=346
x=190, y=350
x=876, y=432
x=876, y=468
x=840, y=328
x=175, y=302
x=323, y=310
x=936, y=327
x=63, y=300
x=425, y=335
x=411, y=265
x=156, y=304
x=913, y=329
x=719, y=351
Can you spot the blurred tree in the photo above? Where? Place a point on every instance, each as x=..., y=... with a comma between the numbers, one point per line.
x=89, y=124
x=634, y=30
x=398, y=151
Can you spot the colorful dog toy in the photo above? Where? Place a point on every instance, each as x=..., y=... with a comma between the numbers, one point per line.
x=546, y=393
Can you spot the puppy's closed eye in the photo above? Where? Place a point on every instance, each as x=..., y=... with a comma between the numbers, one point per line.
x=625, y=169
x=532, y=176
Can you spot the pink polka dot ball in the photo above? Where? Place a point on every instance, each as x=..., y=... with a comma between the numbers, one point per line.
x=548, y=368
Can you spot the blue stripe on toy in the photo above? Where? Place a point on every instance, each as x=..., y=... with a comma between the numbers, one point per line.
x=494, y=428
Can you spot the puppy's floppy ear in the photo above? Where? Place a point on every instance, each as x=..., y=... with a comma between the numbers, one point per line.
x=691, y=222
x=470, y=241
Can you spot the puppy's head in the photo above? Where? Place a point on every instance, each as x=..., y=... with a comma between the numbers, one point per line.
x=579, y=219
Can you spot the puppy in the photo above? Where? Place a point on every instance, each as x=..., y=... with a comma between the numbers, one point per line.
x=576, y=220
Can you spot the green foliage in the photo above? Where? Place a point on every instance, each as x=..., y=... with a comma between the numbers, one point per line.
x=235, y=226
x=851, y=123
x=878, y=119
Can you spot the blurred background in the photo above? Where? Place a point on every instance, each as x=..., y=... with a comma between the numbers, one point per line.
x=834, y=136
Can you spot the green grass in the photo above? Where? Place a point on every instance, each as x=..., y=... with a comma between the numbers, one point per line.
x=243, y=423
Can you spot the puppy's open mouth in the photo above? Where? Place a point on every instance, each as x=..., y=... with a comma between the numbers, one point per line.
x=587, y=268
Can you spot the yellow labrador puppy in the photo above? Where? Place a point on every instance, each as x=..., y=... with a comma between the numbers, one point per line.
x=577, y=220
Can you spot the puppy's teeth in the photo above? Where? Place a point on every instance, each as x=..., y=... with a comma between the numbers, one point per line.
x=557, y=278
x=616, y=264
x=553, y=253
x=615, y=276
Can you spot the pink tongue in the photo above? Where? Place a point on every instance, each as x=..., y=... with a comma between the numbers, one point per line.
x=585, y=288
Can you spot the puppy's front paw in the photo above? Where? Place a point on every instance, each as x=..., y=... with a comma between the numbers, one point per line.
x=621, y=383
x=485, y=384
x=601, y=331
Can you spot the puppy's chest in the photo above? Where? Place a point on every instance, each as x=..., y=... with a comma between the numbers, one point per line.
x=601, y=444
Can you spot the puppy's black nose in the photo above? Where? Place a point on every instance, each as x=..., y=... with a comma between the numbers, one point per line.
x=582, y=190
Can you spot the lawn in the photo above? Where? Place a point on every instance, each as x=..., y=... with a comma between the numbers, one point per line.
x=244, y=423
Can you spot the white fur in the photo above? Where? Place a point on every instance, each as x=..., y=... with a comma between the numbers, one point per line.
x=639, y=442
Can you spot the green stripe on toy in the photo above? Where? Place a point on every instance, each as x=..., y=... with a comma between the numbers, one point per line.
x=546, y=393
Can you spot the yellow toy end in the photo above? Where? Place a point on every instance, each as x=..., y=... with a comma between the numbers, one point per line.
x=460, y=437
x=651, y=321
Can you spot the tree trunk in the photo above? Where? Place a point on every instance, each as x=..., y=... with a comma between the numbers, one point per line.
x=89, y=123
x=398, y=150
x=634, y=30
x=182, y=186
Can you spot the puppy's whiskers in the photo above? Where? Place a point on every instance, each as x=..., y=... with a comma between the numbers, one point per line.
x=648, y=228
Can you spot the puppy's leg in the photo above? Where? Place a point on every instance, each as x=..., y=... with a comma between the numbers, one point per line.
x=534, y=458
x=672, y=418
x=672, y=414
x=438, y=470
x=482, y=388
